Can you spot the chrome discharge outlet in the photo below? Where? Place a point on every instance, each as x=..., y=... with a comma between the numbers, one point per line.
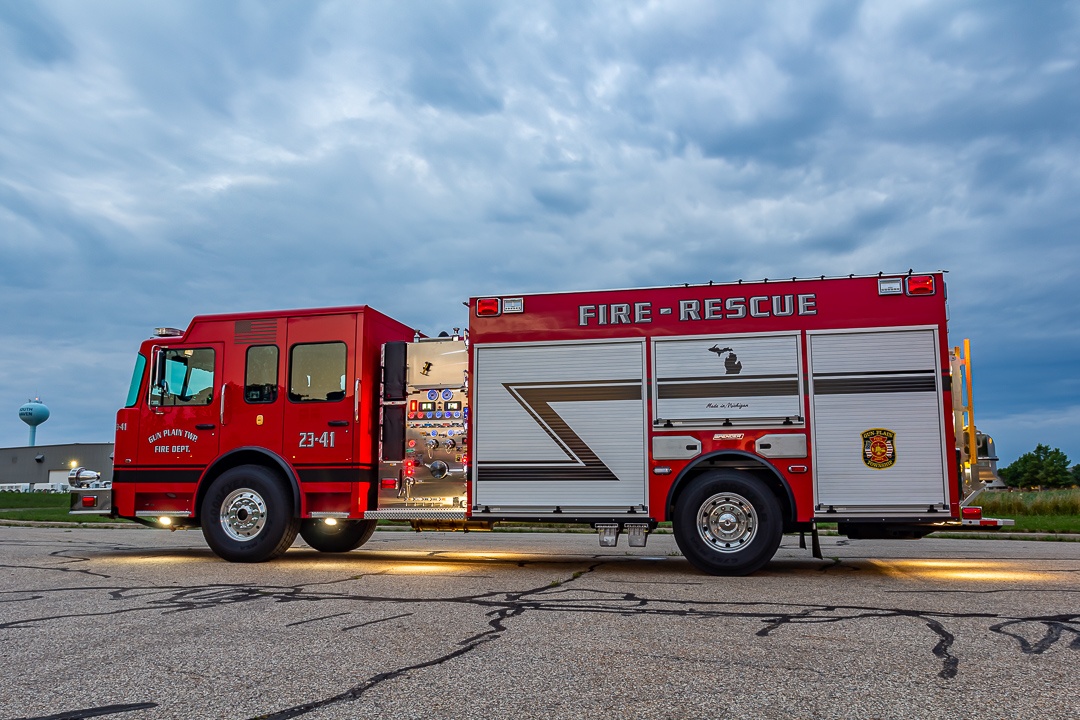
x=608, y=534
x=637, y=534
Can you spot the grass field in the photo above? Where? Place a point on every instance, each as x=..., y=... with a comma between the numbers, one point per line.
x=1043, y=523
x=10, y=500
x=1045, y=511
x=1049, y=511
x=1031, y=502
x=44, y=507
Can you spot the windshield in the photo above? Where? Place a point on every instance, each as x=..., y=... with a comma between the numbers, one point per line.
x=136, y=380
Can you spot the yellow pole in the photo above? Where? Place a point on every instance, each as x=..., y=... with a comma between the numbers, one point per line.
x=959, y=411
x=974, y=452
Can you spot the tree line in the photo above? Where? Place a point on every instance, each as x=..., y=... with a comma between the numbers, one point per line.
x=1041, y=467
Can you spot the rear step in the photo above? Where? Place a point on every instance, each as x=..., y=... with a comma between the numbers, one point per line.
x=971, y=516
x=988, y=522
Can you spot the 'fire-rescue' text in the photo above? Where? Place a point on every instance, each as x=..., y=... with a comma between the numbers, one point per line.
x=758, y=306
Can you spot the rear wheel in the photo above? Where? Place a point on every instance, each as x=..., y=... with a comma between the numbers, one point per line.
x=728, y=523
x=343, y=536
x=247, y=515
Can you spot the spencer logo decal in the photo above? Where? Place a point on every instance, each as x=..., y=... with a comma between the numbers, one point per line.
x=879, y=448
x=580, y=462
x=732, y=366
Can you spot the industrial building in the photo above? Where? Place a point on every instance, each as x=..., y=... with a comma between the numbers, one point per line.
x=50, y=464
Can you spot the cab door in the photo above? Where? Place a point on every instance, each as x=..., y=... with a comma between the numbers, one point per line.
x=254, y=399
x=181, y=429
x=320, y=412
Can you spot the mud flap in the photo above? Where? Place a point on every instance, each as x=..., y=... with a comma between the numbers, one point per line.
x=815, y=544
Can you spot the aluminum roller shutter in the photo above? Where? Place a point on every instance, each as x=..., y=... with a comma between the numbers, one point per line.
x=876, y=421
x=743, y=379
x=559, y=425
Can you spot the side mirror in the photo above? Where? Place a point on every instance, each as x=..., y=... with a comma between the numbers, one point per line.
x=158, y=386
x=159, y=369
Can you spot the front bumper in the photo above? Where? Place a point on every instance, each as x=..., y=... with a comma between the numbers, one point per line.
x=91, y=501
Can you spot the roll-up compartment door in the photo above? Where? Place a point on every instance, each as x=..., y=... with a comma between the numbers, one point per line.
x=734, y=380
x=559, y=425
x=877, y=421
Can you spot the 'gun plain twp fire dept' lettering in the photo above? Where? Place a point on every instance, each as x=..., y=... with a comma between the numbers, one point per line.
x=172, y=432
x=732, y=308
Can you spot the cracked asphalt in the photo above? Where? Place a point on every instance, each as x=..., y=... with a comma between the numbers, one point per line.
x=140, y=624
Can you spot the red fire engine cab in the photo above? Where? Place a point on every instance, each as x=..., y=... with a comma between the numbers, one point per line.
x=735, y=411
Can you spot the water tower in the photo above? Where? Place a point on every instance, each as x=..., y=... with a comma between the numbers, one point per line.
x=33, y=413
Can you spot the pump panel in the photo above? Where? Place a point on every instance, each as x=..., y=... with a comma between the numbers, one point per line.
x=430, y=472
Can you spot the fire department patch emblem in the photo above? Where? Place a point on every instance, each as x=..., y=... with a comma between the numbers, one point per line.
x=879, y=448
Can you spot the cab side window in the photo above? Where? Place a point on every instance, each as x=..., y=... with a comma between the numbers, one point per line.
x=183, y=376
x=261, y=374
x=317, y=372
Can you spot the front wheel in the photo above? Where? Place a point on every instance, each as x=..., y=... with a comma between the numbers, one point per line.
x=343, y=536
x=728, y=523
x=247, y=515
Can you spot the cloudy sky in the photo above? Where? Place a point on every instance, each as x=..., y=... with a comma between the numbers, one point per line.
x=164, y=159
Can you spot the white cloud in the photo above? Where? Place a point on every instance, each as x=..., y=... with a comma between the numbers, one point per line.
x=222, y=182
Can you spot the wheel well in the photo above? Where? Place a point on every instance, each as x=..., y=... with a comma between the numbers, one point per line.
x=746, y=462
x=248, y=456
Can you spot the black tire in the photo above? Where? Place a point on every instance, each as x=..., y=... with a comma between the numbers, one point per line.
x=247, y=515
x=346, y=535
x=727, y=523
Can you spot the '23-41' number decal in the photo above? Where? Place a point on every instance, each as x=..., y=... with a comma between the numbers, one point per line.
x=310, y=440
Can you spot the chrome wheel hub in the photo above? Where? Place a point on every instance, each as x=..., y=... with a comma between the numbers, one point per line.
x=243, y=514
x=727, y=522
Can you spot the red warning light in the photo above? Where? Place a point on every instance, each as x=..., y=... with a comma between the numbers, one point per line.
x=409, y=468
x=920, y=285
x=388, y=483
x=412, y=406
x=487, y=307
x=89, y=501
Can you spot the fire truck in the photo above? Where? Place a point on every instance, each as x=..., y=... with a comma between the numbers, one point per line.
x=737, y=412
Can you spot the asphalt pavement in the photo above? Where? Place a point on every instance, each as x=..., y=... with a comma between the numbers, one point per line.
x=143, y=625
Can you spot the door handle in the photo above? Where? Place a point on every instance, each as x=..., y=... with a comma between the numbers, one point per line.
x=338, y=423
x=356, y=402
x=205, y=426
